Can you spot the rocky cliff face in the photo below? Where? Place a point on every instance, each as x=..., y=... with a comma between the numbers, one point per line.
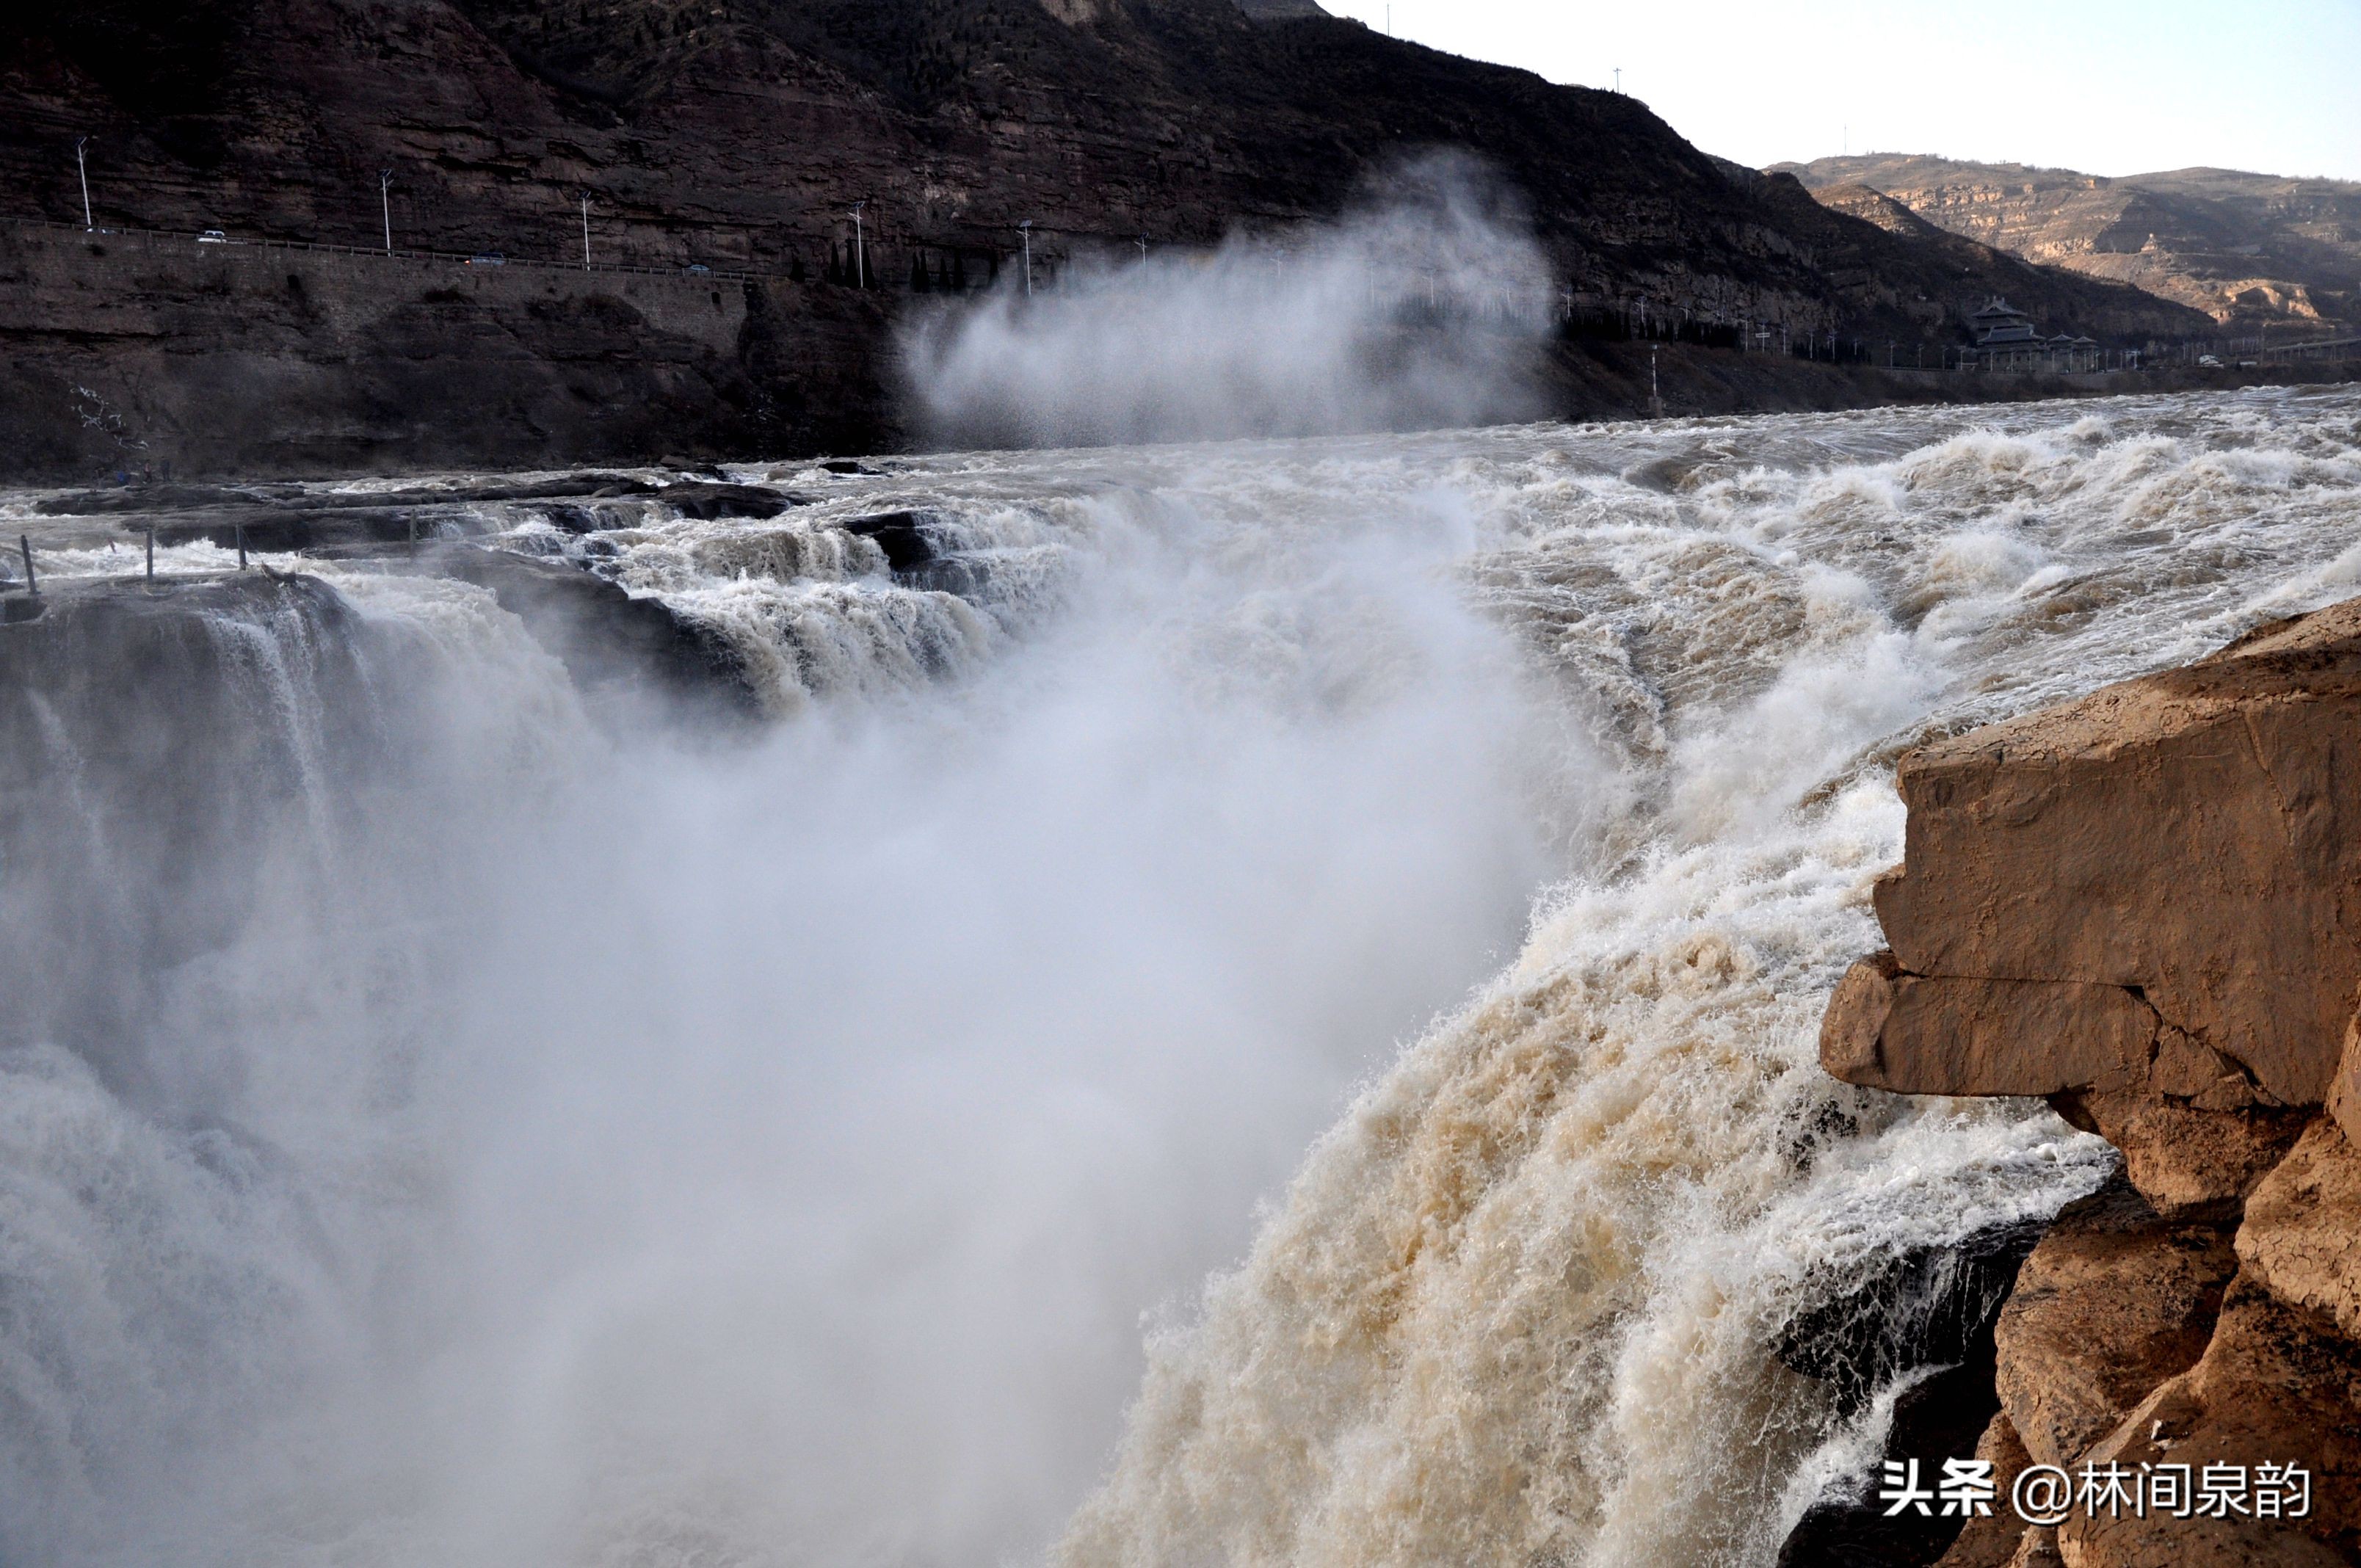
x=743, y=131
x=153, y=354
x=740, y=135
x=2145, y=906
x=2249, y=249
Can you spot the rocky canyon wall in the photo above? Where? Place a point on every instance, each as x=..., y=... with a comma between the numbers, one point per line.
x=145, y=352
x=2145, y=906
x=904, y=140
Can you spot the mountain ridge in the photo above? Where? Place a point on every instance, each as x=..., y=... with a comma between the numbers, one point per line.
x=2250, y=249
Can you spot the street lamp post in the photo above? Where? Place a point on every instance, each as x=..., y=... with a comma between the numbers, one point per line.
x=385, y=205
x=860, y=248
x=83, y=169
x=1026, y=229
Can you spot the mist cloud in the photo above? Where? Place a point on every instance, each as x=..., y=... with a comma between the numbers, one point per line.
x=1421, y=308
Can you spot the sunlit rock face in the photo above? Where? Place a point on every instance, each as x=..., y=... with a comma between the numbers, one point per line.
x=2142, y=905
x=2246, y=248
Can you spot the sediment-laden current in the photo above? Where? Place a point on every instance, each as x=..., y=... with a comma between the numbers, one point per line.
x=450, y=1117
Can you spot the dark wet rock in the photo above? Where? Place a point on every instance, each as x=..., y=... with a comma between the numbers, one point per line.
x=614, y=644
x=1927, y=1307
x=706, y=502
x=1942, y=1416
x=572, y=518
x=294, y=528
x=947, y=575
x=607, y=638
x=901, y=535
x=1933, y=1308
x=140, y=499
x=847, y=465
x=284, y=519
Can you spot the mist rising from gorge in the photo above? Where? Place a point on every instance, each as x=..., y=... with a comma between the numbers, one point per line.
x=1424, y=306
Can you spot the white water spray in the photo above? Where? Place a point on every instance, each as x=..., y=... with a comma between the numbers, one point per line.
x=1423, y=308
x=762, y=1154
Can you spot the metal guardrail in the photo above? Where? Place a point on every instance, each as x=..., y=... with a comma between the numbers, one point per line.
x=33, y=584
x=2351, y=344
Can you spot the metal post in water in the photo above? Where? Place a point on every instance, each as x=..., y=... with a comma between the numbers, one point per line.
x=151, y=557
x=83, y=169
x=414, y=536
x=241, y=547
x=385, y=205
x=26, y=545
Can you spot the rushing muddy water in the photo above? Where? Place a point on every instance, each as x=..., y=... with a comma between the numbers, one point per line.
x=568, y=1140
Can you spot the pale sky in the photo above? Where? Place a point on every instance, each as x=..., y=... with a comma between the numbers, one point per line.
x=2104, y=87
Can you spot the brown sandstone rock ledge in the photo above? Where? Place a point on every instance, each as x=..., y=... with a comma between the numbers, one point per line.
x=2145, y=906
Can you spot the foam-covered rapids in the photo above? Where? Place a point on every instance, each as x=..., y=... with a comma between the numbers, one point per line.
x=593, y=1147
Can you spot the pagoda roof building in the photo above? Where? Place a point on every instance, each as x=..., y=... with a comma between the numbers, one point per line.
x=2000, y=323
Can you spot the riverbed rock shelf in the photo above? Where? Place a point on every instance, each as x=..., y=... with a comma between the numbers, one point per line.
x=2145, y=906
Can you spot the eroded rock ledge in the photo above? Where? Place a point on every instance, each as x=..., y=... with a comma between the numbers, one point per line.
x=2145, y=906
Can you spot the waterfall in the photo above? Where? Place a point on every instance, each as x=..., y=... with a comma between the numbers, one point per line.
x=446, y=1117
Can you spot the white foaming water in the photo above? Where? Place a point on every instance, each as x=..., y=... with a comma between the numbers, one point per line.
x=762, y=1154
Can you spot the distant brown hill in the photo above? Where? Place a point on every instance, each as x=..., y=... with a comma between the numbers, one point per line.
x=2245, y=248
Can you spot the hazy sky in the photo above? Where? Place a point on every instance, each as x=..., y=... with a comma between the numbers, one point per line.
x=2106, y=86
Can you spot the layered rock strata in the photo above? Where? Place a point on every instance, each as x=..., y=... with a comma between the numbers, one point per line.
x=2251, y=250
x=2145, y=906
x=709, y=140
